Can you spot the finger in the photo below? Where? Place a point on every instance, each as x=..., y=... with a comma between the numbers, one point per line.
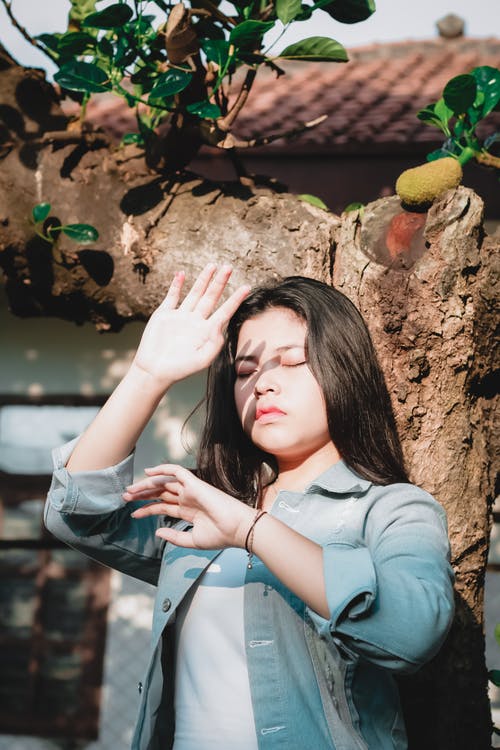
x=174, y=292
x=144, y=495
x=154, y=494
x=180, y=538
x=229, y=307
x=171, y=472
x=159, y=481
x=157, y=509
x=199, y=287
x=214, y=292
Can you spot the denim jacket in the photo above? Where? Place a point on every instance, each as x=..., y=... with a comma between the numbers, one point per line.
x=316, y=684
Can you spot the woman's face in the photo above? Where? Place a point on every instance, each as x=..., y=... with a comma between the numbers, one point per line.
x=279, y=401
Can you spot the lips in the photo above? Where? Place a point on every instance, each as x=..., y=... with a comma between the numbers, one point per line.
x=268, y=413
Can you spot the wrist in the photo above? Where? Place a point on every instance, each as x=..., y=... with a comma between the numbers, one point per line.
x=137, y=377
x=247, y=518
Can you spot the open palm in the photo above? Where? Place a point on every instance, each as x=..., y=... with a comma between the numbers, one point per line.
x=218, y=520
x=181, y=339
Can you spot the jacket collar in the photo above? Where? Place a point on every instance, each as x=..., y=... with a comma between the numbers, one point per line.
x=339, y=479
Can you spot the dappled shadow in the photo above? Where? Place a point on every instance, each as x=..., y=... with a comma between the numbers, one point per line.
x=35, y=98
x=445, y=704
x=12, y=119
x=99, y=265
x=141, y=199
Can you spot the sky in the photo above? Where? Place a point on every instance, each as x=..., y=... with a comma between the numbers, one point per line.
x=394, y=20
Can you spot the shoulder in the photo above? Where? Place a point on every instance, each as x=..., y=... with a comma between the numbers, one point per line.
x=403, y=503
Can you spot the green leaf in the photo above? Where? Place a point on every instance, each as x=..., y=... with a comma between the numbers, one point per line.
x=460, y=93
x=40, y=212
x=459, y=127
x=204, y=109
x=305, y=14
x=439, y=153
x=350, y=11
x=313, y=200
x=205, y=28
x=249, y=32
x=85, y=234
x=494, y=676
x=81, y=8
x=355, y=206
x=319, y=48
x=75, y=43
x=110, y=18
x=105, y=48
x=488, y=82
x=170, y=83
x=51, y=41
x=143, y=26
x=497, y=633
x=443, y=112
x=132, y=138
x=287, y=10
x=216, y=50
x=82, y=76
x=428, y=116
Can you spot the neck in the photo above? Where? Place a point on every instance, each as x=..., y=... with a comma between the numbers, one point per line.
x=296, y=473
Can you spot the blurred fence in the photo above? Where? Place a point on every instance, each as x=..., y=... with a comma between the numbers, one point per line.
x=126, y=655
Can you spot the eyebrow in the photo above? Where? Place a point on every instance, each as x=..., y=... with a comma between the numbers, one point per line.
x=280, y=349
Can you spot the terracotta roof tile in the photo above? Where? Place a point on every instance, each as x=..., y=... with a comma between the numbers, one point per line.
x=370, y=101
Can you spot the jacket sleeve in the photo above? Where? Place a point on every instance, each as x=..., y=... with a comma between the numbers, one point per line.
x=86, y=511
x=390, y=588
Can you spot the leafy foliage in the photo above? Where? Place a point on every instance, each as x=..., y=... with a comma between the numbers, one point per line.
x=313, y=200
x=183, y=62
x=84, y=234
x=467, y=100
x=318, y=48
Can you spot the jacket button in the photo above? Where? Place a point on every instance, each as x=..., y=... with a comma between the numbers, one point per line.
x=139, y=688
x=166, y=605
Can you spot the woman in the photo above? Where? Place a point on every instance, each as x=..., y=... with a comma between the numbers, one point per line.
x=297, y=570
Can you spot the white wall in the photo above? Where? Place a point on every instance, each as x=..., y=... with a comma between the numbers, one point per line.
x=46, y=356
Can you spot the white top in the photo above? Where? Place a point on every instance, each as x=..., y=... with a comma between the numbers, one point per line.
x=213, y=706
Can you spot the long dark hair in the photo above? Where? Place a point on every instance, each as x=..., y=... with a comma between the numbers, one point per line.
x=342, y=359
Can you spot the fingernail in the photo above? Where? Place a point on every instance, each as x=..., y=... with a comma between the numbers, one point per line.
x=133, y=514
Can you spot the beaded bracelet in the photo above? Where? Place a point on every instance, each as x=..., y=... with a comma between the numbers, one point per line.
x=249, y=537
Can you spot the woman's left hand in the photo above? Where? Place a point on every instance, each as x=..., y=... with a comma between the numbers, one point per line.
x=218, y=520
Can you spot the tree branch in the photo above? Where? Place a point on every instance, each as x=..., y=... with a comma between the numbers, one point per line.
x=8, y=7
x=488, y=160
x=216, y=13
x=231, y=142
x=226, y=122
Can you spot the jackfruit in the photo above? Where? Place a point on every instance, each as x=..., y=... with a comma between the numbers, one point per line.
x=421, y=185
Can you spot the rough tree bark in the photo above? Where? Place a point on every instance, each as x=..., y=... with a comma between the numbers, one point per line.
x=423, y=282
x=430, y=309
x=149, y=223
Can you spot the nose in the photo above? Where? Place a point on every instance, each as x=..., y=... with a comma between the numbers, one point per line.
x=266, y=382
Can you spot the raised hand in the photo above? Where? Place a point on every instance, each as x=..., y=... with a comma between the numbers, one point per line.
x=181, y=339
x=218, y=520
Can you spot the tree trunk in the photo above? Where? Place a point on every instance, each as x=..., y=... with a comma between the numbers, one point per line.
x=425, y=286
x=150, y=224
x=424, y=283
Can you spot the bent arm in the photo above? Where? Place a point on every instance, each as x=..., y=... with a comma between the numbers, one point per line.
x=389, y=596
x=86, y=511
x=112, y=435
